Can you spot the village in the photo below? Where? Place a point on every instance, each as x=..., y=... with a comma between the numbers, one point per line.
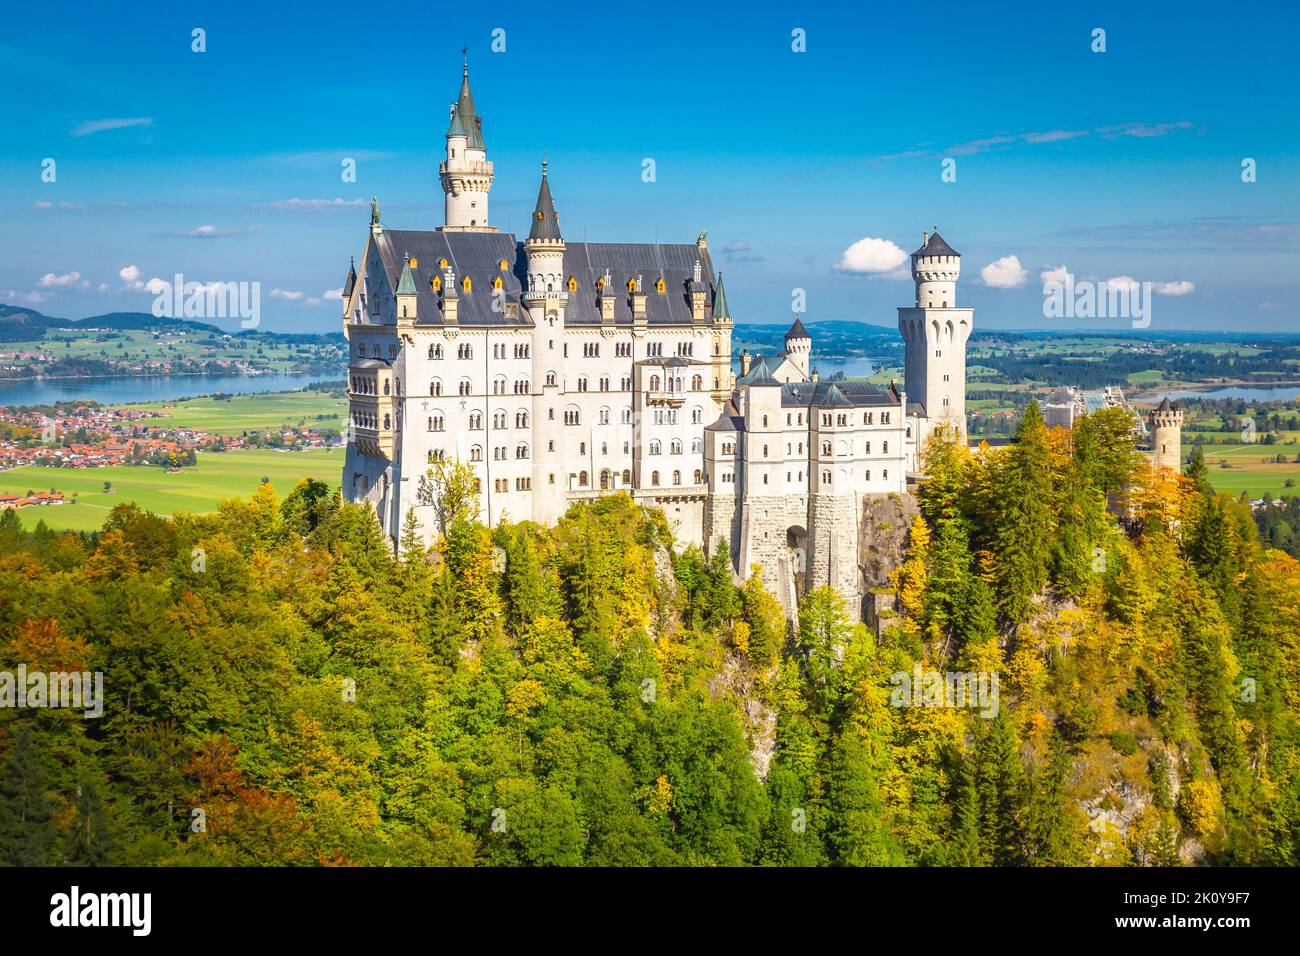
x=82, y=435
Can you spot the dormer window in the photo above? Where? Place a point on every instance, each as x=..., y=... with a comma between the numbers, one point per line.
x=442, y=263
x=573, y=284
x=436, y=283
x=659, y=286
x=465, y=284
x=503, y=266
x=496, y=284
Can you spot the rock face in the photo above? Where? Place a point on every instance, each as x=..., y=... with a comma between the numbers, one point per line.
x=882, y=546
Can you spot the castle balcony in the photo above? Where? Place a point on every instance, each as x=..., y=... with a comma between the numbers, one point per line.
x=462, y=167
x=372, y=425
x=660, y=397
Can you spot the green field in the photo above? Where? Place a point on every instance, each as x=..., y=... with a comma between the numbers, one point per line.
x=1248, y=472
x=249, y=413
x=233, y=474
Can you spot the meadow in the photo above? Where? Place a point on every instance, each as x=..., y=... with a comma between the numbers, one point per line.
x=242, y=413
x=1249, y=472
x=218, y=475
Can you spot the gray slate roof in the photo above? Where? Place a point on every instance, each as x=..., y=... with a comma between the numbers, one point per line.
x=797, y=331
x=477, y=254
x=836, y=394
x=936, y=246
x=546, y=222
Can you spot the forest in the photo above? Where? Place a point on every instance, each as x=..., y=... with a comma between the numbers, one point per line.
x=282, y=690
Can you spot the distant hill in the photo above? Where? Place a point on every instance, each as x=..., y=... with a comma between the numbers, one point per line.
x=19, y=324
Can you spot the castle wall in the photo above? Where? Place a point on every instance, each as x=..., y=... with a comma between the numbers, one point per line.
x=832, y=557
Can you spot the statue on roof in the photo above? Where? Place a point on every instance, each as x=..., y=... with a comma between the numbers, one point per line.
x=374, y=211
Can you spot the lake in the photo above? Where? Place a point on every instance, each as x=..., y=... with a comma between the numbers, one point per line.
x=120, y=390
x=1282, y=393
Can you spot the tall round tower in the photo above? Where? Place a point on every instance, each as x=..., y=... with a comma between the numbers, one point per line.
x=466, y=173
x=1166, y=423
x=934, y=334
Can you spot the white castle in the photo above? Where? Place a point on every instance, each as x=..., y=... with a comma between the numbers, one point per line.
x=563, y=371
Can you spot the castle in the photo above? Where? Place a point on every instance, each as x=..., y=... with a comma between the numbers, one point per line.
x=1159, y=436
x=562, y=371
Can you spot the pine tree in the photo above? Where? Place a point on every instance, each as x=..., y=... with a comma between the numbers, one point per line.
x=26, y=812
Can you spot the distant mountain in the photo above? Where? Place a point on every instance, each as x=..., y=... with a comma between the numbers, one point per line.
x=19, y=324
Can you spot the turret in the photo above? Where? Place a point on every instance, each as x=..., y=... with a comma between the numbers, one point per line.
x=798, y=347
x=406, y=296
x=1166, y=422
x=466, y=173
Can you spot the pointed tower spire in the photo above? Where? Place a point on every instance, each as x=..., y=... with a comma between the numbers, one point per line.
x=351, y=282
x=406, y=284
x=720, y=300
x=546, y=222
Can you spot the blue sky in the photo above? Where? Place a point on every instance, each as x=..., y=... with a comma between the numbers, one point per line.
x=225, y=165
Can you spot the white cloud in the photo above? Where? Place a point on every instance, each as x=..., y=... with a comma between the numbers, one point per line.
x=326, y=296
x=1004, y=273
x=872, y=256
x=25, y=298
x=298, y=205
x=1180, y=287
x=130, y=276
x=1055, y=274
x=285, y=294
x=1124, y=283
x=99, y=126
x=740, y=245
x=65, y=281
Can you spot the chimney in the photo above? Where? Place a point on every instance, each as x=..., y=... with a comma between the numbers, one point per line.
x=638, y=304
x=744, y=362
x=815, y=377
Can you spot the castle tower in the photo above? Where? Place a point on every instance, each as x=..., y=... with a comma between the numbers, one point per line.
x=1166, y=422
x=934, y=333
x=545, y=296
x=466, y=173
x=798, y=347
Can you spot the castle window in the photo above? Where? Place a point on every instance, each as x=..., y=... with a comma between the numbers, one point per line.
x=499, y=420
x=654, y=479
x=867, y=450
x=695, y=446
x=826, y=448
x=604, y=416
x=884, y=418
x=582, y=383
x=698, y=477
x=521, y=419
x=497, y=284
x=676, y=446
x=572, y=416
x=655, y=447
x=654, y=383
x=697, y=416
x=442, y=263
x=765, y=479
x=627, y=477
x=659, y=286
x=868, y=474
x=884, y=448
x=464, y=386
x=475, y=421
x=826, y=477
x=521, y=451
x=604, y=383
x=435, y=387
x=885, y=474
x=388, y=422
x=764, y=451
x=697, y=383
x=631, y=285
x=573, y=284
x=677, y=475
x=604, y=479
x=582, y=448
x=550, y=379
x=499, y=385
x=503, y=265
x=466, y=284
x=435, y=351
x=436, y=283
x=764, y=423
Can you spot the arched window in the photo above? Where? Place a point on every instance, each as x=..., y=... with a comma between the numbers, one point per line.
x=604, y=416
x=654, y=479
x=677, y=477
x=604, y=479
x=582, y=479
x=627, y=476
x=676, y=447
x=466, y=284
x=654, y=383
x=573, y=284
x=521, y=419
x=698, y=477
x=550, y=379
x=695, y=446
x=475, y=421
x=388, y=422
x=884, y=448
x=475, y=453
x=697, y=383
x=655, y=447
x=497, y=284
x=435, y=351
x=435, y=387
x=697, y=416
x=521, y=451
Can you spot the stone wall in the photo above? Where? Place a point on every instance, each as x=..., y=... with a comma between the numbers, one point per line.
x=832, y=557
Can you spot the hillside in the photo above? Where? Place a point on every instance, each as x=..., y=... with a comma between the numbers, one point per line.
x=584, y=695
